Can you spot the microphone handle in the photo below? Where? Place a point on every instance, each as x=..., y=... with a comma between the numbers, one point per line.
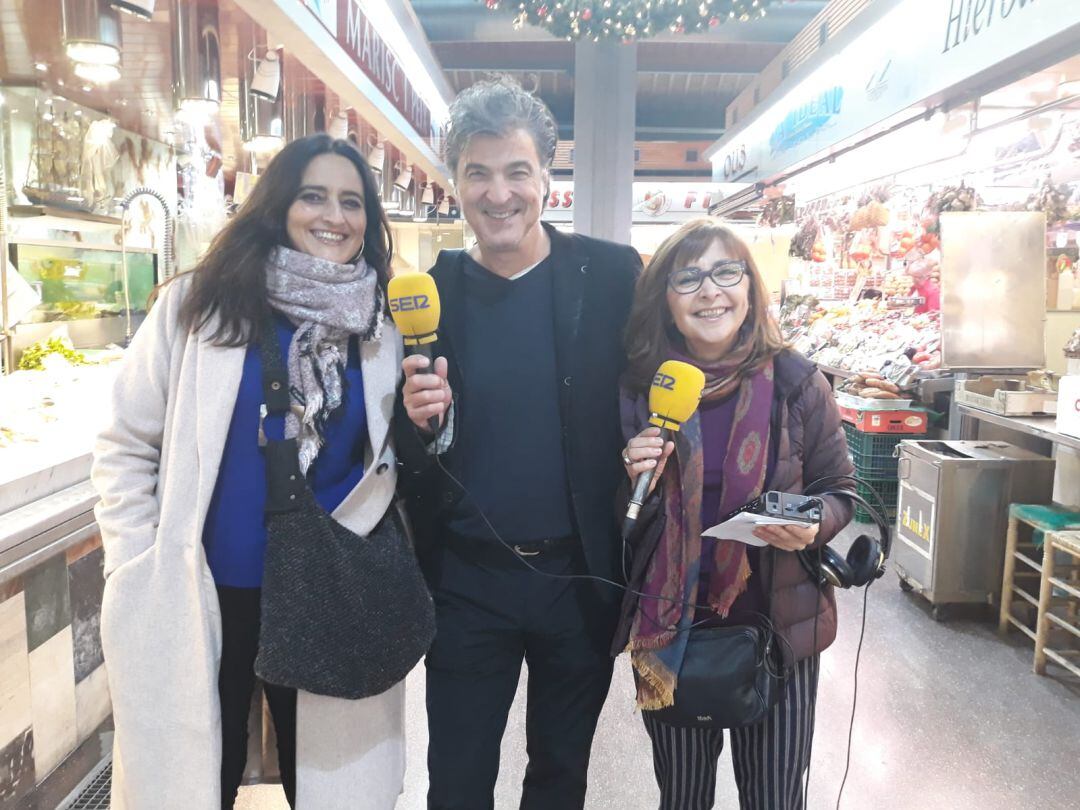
x=424, y=350
x=641, y=492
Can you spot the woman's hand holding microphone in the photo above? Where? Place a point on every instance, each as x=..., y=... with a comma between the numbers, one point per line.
x=647, y=451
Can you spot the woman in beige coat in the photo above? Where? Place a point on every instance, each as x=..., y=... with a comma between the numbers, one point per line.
x=182, y=486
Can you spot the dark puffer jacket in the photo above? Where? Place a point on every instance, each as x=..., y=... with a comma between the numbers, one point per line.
x=807, y=443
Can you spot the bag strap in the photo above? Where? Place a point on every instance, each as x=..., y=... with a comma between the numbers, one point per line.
x=284, y=481
x=275, y=376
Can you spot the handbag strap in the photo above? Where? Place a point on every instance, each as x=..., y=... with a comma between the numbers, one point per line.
x=285, y=483
x=275, y=375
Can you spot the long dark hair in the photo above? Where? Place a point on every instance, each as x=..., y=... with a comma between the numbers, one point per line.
x=230, y=280
x=649, y=327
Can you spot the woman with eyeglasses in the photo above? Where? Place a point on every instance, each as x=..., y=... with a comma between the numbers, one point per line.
x=767, y=421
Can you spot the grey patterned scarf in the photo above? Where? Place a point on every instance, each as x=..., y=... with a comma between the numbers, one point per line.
x=328, y=302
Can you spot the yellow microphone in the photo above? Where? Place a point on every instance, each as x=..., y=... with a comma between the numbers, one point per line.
x=414, y=306
x=673, y=397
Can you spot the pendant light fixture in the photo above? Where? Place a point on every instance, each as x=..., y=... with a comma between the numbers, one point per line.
x=376, y=156
x=266, y=83
x=91, y=32
x=143, y=9
x=262, y=127
x=97, y=74
x=196, y=50
x=339, y=126
x=404, y=176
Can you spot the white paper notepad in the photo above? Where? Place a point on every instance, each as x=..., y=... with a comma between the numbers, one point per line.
x=741, y=527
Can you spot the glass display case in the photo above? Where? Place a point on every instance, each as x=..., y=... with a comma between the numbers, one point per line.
x=82, y=288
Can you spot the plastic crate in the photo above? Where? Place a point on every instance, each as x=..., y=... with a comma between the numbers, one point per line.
x=888, y=489
x=900, y=421
x=875, y=466
x=871, y=444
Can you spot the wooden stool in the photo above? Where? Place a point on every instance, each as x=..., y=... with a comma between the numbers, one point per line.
x=1066, y=543
x=1043, y=518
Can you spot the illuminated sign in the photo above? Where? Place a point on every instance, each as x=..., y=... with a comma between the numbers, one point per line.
x=371, y=53
x=806, y=120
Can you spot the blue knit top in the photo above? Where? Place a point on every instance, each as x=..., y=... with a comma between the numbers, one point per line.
x=235, y=534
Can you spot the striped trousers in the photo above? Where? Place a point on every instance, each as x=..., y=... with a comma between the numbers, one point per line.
x=769, y=758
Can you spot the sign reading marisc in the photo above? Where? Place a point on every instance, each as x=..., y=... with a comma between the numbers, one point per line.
x=362, y=42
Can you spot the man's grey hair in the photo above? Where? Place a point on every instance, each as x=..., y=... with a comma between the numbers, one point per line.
x=499, y=106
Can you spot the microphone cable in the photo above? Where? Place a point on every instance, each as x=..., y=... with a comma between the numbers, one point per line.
x=854, y=697
x=854, y=704
x=686, y=604
x=588, y=577
x=766, y=622
x=817, y=678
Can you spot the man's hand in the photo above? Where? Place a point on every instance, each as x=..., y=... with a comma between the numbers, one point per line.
x=426, y=394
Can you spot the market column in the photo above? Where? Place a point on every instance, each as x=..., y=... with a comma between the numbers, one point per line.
x=605, y=90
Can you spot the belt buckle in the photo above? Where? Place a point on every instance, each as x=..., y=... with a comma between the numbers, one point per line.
x=522, y=553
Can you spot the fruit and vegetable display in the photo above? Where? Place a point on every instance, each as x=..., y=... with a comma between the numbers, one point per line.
x=865, y=335
x=35, y=356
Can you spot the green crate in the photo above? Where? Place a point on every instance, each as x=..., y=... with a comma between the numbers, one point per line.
x=875, y=445
x=873, y=466
x=888, y=489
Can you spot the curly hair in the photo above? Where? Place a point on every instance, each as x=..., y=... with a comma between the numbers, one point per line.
x=498, y=106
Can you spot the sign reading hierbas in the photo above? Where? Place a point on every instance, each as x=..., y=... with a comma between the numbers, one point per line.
x=969, y=18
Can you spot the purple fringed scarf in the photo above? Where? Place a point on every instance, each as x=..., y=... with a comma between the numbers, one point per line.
x=659, y=633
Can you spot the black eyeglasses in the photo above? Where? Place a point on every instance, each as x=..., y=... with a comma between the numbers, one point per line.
x=688, y=280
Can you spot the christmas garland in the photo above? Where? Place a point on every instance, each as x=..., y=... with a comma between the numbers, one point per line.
x=627, y=20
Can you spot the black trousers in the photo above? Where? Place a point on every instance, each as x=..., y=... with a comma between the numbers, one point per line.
x=236, y=682
x=492, y=613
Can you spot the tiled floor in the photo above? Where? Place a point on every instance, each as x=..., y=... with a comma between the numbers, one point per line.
x=949, y=718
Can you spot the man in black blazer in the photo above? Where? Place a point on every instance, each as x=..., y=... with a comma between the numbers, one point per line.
x=515, y=494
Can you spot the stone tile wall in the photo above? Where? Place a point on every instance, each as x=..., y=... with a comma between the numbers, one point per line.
x=53, y=688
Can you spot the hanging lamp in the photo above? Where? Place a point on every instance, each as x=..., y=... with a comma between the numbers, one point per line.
x=91, y=32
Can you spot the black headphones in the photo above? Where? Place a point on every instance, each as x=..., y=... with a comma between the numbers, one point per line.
x=865, y=560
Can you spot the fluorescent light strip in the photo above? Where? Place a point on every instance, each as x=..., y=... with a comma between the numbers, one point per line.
x=382, y=17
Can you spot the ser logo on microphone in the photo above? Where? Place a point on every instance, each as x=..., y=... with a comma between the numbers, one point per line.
x=665, y=381
x=409, y=303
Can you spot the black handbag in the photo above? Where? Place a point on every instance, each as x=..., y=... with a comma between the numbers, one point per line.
x=342, y=615
x=731, y=677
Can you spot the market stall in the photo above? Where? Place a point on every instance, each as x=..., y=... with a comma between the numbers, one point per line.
x=937, y=211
